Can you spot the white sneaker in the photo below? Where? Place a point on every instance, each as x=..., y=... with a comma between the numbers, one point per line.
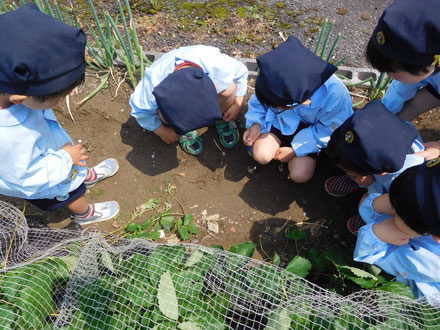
x=101, y=212
x=103, y=170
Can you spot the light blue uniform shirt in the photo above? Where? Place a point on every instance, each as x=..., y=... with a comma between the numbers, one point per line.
x=222, y=69
x=398, y=92
x=33, y=165
x=416, y=264
x=330, y=107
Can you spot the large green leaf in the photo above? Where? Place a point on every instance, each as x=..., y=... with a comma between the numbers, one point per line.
x=7, y=316
x=135, y=267
x=188, y=326
x=278, y=320
x=299, y=266
x=166, y=297
x=397, y=287
x=337, y=255
x=245, y=249
x=296, y=234
x=265, y=279
x=194, y=258
x=165, y=258
x=318, y=259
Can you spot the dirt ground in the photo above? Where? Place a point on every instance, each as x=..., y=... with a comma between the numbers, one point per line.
x=250, y=202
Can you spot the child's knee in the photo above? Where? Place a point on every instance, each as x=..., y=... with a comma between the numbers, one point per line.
x=262, y=155
x=300, y=176
x=301, y=169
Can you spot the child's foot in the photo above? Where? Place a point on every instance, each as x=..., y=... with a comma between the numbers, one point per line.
x=191, y=143
x=227, y=132
x=97, y=212
x=341, y=186
x=103, y=170
x=355, y=223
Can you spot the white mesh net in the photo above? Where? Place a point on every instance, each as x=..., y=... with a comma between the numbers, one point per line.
x=91, y=281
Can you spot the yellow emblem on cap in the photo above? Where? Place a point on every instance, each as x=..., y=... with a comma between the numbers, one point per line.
x=380, y=38
x=433, y=162
x=436, y=60
x=349, y=137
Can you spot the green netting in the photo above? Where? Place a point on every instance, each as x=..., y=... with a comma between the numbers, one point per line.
x=92, y=281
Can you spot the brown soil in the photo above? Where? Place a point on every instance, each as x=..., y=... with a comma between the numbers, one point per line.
x=256, y=206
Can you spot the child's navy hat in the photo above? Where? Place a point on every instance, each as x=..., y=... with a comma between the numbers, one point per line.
x=291, y=73
x=428, y=194
x=188, y=100
x=39, y=55
x=409, y=31
x=376, y=140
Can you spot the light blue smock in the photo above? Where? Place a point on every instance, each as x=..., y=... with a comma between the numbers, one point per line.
x=222, y=69
x=416, y=264
x=33, y=165
x=330, y=107
x=398, y=92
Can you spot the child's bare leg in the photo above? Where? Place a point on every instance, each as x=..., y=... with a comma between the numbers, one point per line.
x=264, y=148
x=301, y=169
x=79, y=206
x=227, y=97
x=422, y=102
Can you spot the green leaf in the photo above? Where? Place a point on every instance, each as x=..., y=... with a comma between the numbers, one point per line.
x=132, y=227
x=296, y=234
x=188, y=326
x=397, y=287
x=276, y=259
x=357, y=272
x=184, y=233
x=106, y=260
x=154, y=235
x=299, y=266
x=166, y=297
x=147, y=224
x=337, y=255
x=167, y=222
x=217, y=246
x=318, y=260
x=373, y=269
x=194, y=258
x=165, y=258
x=278, y=320
x=7, y=316
x=188, y=219
x=178, y=223
x=193, y=228
x=245, y=249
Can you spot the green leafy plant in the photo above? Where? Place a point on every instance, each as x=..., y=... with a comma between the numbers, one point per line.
x=322, y=43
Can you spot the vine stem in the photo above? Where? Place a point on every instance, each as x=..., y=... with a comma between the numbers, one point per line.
x=262, y=249
x=13, y=236
x=180, y=204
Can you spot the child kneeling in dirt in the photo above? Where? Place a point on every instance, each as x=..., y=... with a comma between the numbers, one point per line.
x=297, y=104
x=407, y=245
x=42, y=61
x=189, y=88
x=373, y=147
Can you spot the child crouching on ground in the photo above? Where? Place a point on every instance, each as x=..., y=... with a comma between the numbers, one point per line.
x=189, y=88
x=42, y=61
x=408, y=244
x=297, y=104
x=373, y=147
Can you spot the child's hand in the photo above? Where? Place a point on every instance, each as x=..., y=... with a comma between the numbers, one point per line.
x=77, y=152
x=166, y=133
x=432, y=150
x=388, y=232
x=251, y=134
x=284, y=154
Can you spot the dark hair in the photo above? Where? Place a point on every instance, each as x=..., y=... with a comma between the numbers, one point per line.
x=384, y=63
x=264, y=100
x=334, y=152
x=403, y=198
x=61, y=93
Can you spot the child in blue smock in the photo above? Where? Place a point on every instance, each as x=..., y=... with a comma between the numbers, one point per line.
x=406, y=45
x=402, y=231
x=297, y=104
x=373, y=147
x=42, y=61
x=189, y=88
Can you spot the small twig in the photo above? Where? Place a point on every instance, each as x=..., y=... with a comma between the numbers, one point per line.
x=119, y=85
x=180, y=204
x=68, y=107
x=13, y=236
x=223, y=153
x=310, y=223
x=262, y=249
x=358, y=95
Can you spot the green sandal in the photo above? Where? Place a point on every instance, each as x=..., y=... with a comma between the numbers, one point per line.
x=191, y=143
x=227, y=133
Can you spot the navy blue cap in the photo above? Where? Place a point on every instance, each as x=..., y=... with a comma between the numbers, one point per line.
x=409, y=31
x=376, y=140
x=39, y=55
x=428, y=194
x=188, y=100
x=291, y=73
